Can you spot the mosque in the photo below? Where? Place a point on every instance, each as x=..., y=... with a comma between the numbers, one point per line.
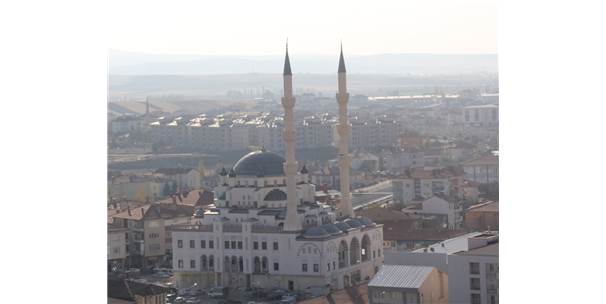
x=266, y=228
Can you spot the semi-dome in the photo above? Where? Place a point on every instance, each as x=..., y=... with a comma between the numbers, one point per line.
x=343, y=226
x=354, y=223
x=315, y=233
x=366, y=221
x=331, y=229
x=275, y=195
x=260, y=163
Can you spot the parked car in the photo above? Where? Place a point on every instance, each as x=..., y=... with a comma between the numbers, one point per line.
x=217, y=292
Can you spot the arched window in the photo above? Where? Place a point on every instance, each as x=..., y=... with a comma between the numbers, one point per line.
x=354, y=251
x=343, y=254
x=365, y=248
x=204, y=263
x=211, y=263
x=264, y=268
x=234, y=264
x=257, y=265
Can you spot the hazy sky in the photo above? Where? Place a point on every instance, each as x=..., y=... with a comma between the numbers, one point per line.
x=247, y=27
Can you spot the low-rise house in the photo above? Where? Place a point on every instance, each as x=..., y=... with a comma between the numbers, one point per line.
x=447, y=209
x=483, y=216
x=406, y=237
x=408, y=284
x=136, y=292
x=137, y=187
x=147, y=240
x=184, y=178
x=196, y=198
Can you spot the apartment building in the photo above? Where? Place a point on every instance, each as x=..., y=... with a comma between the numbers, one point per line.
x=146, y=235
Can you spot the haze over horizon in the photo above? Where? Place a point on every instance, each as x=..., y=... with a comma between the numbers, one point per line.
x=135, y=63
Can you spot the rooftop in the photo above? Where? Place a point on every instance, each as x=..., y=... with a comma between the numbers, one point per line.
x=488, y=250
x=485, y=207
x=400, y=276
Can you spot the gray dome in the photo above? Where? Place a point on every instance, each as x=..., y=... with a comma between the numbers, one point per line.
x=343, y=226
x=260, y=163
x=275, y=195
x=354, y=223
x=331, y=229
x=315, y=233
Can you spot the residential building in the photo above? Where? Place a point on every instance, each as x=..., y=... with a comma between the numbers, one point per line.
x=116, y=247
x=137, y=187
x=126, y=124
x=484, y=116
x=474, y=274
x=408, y=284
x=420, y=183
x=399, y=159
x=483, y=170
x=471, y=261
x=146, y=235
x=483, y=216
x=447, y=209
x=184, y=178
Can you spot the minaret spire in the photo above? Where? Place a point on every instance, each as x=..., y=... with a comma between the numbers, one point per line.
x=287, y=62
x=292, y=222
x=343, y=129
x=341, y=61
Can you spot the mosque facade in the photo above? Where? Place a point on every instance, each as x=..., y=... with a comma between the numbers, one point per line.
x=267, y=230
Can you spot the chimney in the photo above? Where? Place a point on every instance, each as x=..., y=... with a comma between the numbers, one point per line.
x=129, y=211
x=174, y=198
x=142, y=211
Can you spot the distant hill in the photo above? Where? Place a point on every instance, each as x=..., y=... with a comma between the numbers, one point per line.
x=132, y=63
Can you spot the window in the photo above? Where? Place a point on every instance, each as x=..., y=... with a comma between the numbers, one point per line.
x=211, y=244
x=180, y=243
x=202, y=244
x=226, y=244
x=474, y=268
x=239, y=244
x=304, y=267
x=316, y=268
x=192, y=244
x=475, y=298
x=264, y=245
x=256, y=245
x=180, y=264
x=233, y=244
x=276, y=266
x=379, y=252
x=334, y=265
x=275, y=245
x=474, y=283
x=493, y=299
x=328, y=266
x=192, y=264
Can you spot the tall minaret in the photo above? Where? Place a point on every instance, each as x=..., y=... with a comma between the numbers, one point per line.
x=146, y=106
x=343, y=129
x=290, y=166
